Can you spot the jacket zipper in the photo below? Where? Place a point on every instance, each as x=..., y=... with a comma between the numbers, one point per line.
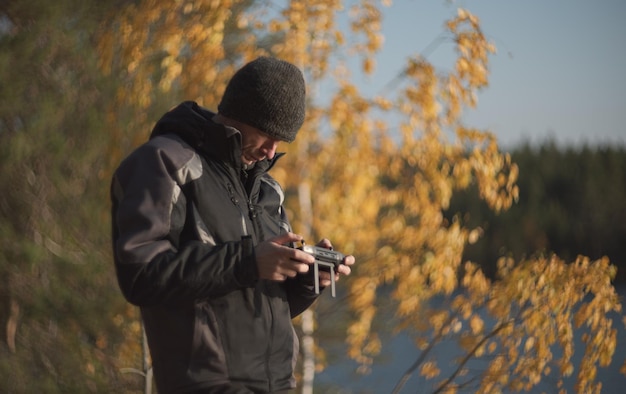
x=235, y=201
x=252, y=214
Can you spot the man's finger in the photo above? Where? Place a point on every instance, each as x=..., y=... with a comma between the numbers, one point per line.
x=286, y=238
x=344, y=269
x=300, y=256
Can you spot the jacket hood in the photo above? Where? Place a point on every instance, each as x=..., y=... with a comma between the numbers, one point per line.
x=195, y=126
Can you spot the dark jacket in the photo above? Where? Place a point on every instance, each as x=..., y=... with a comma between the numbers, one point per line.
x=186, y=219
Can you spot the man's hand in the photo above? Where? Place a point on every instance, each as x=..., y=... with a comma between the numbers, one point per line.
x=277, y=262
x=343, y=269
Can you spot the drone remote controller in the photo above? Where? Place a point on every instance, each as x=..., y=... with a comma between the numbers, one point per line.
x=325, y=260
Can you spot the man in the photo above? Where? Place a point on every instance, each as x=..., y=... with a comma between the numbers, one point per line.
x=201, y=240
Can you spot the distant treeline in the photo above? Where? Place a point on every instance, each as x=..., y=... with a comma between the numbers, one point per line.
x=572, y=202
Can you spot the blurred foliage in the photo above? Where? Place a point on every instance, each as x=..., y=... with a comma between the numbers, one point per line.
x=83, y=83
x=54, y=252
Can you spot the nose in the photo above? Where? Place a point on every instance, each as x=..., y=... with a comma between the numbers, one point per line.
x=269, y=149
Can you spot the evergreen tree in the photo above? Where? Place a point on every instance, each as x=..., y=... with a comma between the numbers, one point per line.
x=570, y=204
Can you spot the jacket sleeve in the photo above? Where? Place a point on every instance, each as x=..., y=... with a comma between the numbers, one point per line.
x=300, y=289
x=301, y=293
x=150, y=268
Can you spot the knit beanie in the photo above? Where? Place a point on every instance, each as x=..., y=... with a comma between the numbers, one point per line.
x=268, y=94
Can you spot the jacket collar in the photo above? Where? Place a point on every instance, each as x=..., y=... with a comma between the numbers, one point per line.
x=196, y=127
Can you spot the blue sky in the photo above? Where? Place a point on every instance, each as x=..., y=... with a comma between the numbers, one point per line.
x=560, y=69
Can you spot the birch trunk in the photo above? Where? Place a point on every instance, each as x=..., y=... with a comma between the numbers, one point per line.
x=308, y=317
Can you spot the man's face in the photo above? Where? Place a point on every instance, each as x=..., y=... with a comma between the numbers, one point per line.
x=256, y=145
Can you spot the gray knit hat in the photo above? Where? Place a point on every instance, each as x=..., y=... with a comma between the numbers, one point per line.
x=268, y=94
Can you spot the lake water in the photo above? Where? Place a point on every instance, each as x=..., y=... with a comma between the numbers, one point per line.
x=399, y=353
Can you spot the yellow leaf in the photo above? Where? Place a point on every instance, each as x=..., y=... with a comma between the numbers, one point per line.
x=429, y=370
x=476, y=324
